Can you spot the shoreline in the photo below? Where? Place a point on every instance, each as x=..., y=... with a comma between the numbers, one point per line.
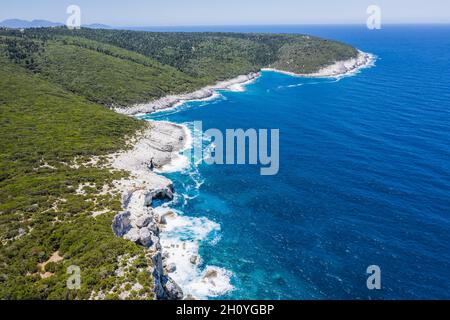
x=140, y=222
x=172, y=101
x=338, y=69
x=148, y=220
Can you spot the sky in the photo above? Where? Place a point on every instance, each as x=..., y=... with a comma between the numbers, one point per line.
x=227, y=12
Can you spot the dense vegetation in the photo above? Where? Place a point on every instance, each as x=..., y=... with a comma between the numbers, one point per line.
x=54, y=84
x=43, y=129
x=115, y=67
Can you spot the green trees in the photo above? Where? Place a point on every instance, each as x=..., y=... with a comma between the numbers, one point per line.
x=22, y=51
x=117, y=67
x=43, y=129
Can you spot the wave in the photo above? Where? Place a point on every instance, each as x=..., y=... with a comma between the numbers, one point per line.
x=182, y=235
x=185, y=104
x=180, y=240
x=371, y=62
x=333, y=79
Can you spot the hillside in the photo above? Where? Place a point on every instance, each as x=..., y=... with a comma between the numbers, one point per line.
x=43, y=130
x=115, y=67
x=54, y=86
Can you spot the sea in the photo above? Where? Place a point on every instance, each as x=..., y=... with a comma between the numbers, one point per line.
x=364, y=178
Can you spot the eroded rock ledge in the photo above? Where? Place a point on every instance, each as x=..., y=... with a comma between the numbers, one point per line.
x=139, y=222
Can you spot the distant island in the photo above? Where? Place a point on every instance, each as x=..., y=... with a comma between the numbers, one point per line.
x=25, y=24
x=71, y=166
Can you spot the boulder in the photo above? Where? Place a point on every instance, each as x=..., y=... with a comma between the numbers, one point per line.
x=158, y=287
x=156, y=242
x=143, y=221
x=164, y=216
x=145, y=237
x=153, y=227
x=126, y=197
x=173, y=290
x=121, y=223
x=171, y=268
x=148, y=199
x=132, y=235
x=157, y=262
x=210, y=273
x=193, y=259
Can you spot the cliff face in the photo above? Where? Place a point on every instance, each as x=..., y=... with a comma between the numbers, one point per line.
x=143, y=228
x=139, y=222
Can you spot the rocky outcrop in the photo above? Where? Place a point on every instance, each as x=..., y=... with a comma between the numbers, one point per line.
x=162, y=219
x=193, y=259
x=121, y=223
x=173, y=290
x=144, y=221
x=336, y=69
x=138, y=222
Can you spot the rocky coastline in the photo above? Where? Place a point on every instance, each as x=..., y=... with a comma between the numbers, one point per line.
x=139, y=222
x=171, y=101
x=158, y=146
x=337, y=69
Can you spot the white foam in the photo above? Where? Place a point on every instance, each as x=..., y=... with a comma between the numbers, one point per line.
x=180, y=240
x=182, y=235
x=295, y=85
x=216, y=286
x=240, y=87
x=179, y=106
x=339, y=69
x=177, y=164
x=370, y=60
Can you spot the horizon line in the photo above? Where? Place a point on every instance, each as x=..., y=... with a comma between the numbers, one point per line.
x=240, y=25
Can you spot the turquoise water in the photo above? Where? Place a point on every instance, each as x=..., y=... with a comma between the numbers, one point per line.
x=364, y=175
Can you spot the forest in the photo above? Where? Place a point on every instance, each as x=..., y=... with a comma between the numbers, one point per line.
x=116, y=67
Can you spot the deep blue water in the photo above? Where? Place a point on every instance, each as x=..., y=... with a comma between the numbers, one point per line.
x=364, y=176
